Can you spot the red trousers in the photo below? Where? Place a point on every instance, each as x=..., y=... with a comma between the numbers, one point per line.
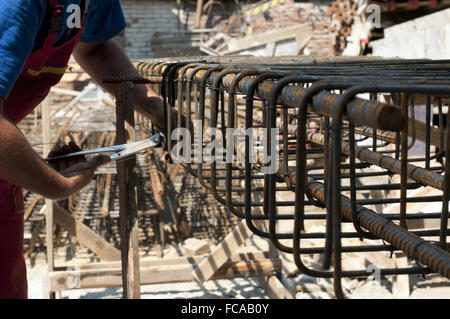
x=13, y=276
x=43, y=69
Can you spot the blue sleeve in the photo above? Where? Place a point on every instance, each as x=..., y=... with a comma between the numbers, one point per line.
x=104, y=21
x=20, y=21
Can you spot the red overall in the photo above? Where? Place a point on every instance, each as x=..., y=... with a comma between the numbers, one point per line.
x=43, y=69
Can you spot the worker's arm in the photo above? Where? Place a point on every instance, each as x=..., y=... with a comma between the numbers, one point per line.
x=102, y=60
x=21, y=166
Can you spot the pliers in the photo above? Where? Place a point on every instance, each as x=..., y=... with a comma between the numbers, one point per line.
x=122, y=151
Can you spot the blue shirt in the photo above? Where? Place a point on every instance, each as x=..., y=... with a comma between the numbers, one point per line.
x=21, y=20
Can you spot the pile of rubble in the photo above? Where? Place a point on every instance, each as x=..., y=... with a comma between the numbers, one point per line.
x=342, y=13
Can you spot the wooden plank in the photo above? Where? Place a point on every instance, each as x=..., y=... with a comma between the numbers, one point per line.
x=222, y=252
x=272, y=285
x=414, y=208
x=104, y=278
x=198, y=14
x=85, y=236
x=150, y=262
x=420, y=132
x=401, y=287
x=248, y=269
x=297, y=32
x=311, y=288
x=289, y=285
x=64, y=91
x=270, y=49
x=302, y=41
x=126, y=172
x=275, y=288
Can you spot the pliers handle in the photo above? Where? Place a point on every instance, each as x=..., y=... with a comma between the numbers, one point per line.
x=124, y=150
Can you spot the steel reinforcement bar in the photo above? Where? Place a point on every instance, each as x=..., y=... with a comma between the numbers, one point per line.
x=318, y=87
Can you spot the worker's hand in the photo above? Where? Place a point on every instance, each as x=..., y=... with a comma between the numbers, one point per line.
x=157, y=115
x=81, y=174
x=77, y=169
x=86, y=170
x=60, y=165
x=161, y=126
x=183, y=124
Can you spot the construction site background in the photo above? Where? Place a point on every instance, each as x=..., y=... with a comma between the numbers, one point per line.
x=158, y=29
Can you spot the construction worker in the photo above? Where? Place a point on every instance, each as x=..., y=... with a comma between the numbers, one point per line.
x=37, y=39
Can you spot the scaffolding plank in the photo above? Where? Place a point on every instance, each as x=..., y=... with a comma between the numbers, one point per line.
x=85, y=236
x=111, y=277
x=222, y=252
x=152, y=261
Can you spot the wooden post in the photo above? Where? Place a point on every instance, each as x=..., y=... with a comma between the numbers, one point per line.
x=47, y=140
x=126, y=172
x=198, y=17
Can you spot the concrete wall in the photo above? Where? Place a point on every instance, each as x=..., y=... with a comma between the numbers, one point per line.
x=427, y=37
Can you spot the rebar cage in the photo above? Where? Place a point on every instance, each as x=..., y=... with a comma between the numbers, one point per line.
x=346, y=155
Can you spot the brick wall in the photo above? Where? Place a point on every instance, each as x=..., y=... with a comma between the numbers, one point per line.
x=158, y=28
x=145, y=18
